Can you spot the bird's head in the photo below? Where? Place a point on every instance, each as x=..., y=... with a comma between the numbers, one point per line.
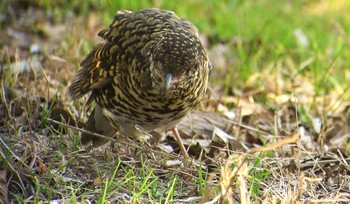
x=176, y=59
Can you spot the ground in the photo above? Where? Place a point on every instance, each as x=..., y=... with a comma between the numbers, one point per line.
x=273, y=126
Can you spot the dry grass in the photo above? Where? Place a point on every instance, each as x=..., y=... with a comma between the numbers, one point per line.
x=278, y=136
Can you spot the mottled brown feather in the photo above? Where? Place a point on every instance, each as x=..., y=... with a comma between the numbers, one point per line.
x=150, y=71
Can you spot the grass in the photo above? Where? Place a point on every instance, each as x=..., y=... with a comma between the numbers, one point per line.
x=279, y=66
x=270, y=31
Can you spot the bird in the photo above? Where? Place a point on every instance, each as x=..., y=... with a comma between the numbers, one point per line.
x=148, y=72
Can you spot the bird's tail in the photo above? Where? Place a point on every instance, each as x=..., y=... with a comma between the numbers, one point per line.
x=97, y=123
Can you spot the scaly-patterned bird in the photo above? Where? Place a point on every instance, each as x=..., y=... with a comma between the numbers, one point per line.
x=150, y=71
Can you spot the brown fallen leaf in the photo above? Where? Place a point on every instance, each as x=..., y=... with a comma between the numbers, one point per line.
x=96, y=182
x=280, y=143
x=42, y=169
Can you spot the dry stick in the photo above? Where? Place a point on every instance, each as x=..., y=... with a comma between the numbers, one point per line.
x=93, y=133
x=300, y=186
x=83, y=131
x=343, y=160
x=100, y=135
x=277, y=144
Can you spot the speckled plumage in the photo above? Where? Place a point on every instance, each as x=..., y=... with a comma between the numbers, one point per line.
x=151, y=70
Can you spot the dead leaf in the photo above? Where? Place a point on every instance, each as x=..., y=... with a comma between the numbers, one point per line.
x=42, y=169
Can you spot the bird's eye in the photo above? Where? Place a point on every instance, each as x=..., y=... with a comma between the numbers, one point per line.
x=208, y=64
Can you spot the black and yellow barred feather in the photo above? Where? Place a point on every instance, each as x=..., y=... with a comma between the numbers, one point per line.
x=151, y=70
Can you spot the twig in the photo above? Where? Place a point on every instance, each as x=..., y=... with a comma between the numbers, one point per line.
x=82, y=130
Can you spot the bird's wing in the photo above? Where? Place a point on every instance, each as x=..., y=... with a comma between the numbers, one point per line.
x=98, y=69
x=103, y=63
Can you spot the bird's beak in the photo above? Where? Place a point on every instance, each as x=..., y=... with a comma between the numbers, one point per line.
x=167, y=83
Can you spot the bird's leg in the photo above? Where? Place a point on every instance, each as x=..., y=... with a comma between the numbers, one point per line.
x=179, y=141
